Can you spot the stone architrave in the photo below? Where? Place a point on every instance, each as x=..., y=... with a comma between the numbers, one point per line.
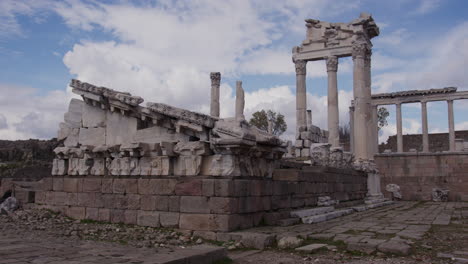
x=240, y=101
x=333, y=112
x=215, y=82
x=301, y=95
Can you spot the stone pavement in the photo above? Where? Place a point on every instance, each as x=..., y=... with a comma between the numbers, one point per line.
x=30, y=248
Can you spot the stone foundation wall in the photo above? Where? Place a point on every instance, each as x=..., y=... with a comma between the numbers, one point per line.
x=198, y=202
x=417, y=174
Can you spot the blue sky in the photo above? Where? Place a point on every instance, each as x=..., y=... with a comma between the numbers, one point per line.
x=164, y=51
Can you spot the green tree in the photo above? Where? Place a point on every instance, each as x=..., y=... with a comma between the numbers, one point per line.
x=260, y=120
x=382, y=115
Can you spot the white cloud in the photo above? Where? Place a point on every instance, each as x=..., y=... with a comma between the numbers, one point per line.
x=427, y=6
x=10, y=9
x=393, y=38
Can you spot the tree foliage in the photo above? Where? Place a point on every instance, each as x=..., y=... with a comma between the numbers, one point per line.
x=382, y=115
x=260, y=120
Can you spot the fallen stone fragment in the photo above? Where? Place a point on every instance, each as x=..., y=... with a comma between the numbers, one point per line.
x=394, y=247
x=9, y=205
x=311, y=248
x=289, y=242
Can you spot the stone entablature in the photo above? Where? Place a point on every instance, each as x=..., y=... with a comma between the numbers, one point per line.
x=110, y=134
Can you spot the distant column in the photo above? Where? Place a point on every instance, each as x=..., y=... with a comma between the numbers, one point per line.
x=351, y=129
x=240, y=101
x=333, y=113
x=301, y=95
x=425, y=135
x=215, y=81
x=361, y=102
x=451, y=125
x=375, y=131
x=399, y=128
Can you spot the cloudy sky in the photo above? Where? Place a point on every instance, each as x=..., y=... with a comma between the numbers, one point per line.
x=164, y=51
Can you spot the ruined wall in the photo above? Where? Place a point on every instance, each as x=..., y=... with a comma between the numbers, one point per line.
x=417, y=174
x=438, y=142
x=198, y=202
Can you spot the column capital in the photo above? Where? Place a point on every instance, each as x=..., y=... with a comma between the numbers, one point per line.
x=215, y=78
x=361, y=50
x=300, y=67
x=332, y=63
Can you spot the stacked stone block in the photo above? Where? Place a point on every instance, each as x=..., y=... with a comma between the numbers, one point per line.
x=304, y=139
x=200, y=203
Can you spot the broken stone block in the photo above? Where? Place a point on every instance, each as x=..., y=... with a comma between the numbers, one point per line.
x=289, y=242
x=440, y=195
x=72, y=138
x=395, y=190
x=299, y=143
x=73, y=116
x=93, y=116
x=59, y=167
x=92, y=136
x=119, y=129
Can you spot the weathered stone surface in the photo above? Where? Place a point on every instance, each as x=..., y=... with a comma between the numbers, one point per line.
x=93, y=116
x=93, y=136
x=311, y=248
x=169, y=219
x=394, y=247
x=73, y=116
x=289, y=242
x=147, y=218
x=119, y=128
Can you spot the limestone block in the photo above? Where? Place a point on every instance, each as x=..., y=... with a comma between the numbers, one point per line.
x=74, y=114
x=208, y=222
x=71, y=185
x=305, y=152
x=147, y=218
x=297, y=152
x=189, y=187
x=117, y=215
x=156, y=134
x=188, y=165
x=299, y=143
x=119, y=128
x=130, y=217
x=307, y=143
x=64, y=131
x=169, y=219
x=92, y=136
x=161, y=166
x=156, y=186
x=192, y=148
x=93, y=116
x=194, y=204
x=73, y=166
x=76, y=212
x=72, y=138
x=59, y=167
x=84, y=166
x=104, y=214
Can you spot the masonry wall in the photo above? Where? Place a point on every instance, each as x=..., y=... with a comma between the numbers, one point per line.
x=198, y=202
x=438, y=142
x=417, y=174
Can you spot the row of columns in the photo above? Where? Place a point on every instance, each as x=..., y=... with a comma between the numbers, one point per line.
x=425, y=131
x=363, y=120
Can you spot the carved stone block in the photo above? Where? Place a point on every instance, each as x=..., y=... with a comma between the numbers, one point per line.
x=93, y=116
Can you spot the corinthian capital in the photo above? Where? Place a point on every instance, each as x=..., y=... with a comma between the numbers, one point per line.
x=332, y=63
x=360, y=50
x=300, y=67
x=215, y=78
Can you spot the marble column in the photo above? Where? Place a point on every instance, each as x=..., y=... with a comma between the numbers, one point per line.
x=371, y=124
x=361, y=102
x=425, y=135
x=333, y=113
x=215, y=81
x=451, y=126
x=240, y=101
x=309, y=118
x=301, y=96
x=351, y=128
x=399, y=128
x=375, y=131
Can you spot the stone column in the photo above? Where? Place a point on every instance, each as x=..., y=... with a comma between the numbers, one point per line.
x=451, y=126
x=351, y=128
x=399, y=128
x=214, y=106
x=309, y=118
x=371, y=122
x=333, y=113
x=301, y=95
x=375, y=131
x=240, y=102
x=361, y=102
x=425, y=135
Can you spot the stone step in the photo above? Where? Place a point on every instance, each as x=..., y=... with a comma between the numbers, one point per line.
x=311, y=212
x=326, y=216
x=289, y=221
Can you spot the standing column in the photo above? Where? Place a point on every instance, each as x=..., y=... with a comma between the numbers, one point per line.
x=371, y=124
x=214, y=106
x=375, y=131
x=425, y=135
x=351, y=128
x=333, y=113
x=399, y=129
x=301, y=96
x=361, y=102
x=309, y=118
x=451, y=125
x=240, y=101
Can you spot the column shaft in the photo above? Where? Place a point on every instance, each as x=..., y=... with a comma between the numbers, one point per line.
x=451, y=125
x=375, y=131
x=301, y=96
x=214, y=106
x=333, y=112
x=399, y=129
x=351, y=129
x=425, y=135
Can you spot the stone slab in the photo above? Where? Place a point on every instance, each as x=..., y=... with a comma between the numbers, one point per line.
x=311, y=248
x=312, y=211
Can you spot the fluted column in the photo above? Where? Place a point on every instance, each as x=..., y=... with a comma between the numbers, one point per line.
x=301, y=95
x=375, y=131
x=451, y=125
x=399, y=128
x=351, y=128
x=371, y=124
x=214, y=106
x=361, y=102
x=333, y=113
x=425, y=135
